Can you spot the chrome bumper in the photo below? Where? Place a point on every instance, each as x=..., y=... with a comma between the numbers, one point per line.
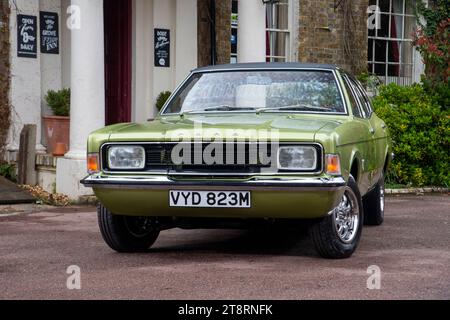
x=164, y=182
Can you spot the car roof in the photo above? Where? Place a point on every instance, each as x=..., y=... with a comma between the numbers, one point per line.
x=265, y=66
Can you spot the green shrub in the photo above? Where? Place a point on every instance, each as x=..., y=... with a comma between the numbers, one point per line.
x=162, y=98
x=59, y=102
x=8, y=171
x=420, y=134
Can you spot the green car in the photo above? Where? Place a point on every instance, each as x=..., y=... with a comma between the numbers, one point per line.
x=245, y=145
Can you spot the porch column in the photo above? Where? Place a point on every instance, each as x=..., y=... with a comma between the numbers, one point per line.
x=252, y=31
x=186, y=39
x=87, y=111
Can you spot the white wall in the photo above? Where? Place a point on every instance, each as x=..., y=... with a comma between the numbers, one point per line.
x=32, y=78
x=25, y=81
x=50, y=63
x=142, y=101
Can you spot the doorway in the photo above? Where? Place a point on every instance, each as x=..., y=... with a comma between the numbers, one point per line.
x=118, y=42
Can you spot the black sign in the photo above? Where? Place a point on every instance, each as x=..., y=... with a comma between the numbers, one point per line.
x=162, y=48
x=49, y=32
x=26, y=36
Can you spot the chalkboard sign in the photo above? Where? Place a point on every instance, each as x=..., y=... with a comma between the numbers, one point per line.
x=49, y=32
x=26, y=36
x=162, y=48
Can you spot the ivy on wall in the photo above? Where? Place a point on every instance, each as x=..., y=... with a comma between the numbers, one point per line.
x=5, y=110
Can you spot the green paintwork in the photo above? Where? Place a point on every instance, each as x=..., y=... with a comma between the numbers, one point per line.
x=346, y=135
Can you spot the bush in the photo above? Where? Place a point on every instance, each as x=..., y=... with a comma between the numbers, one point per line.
x=8, y=171
x=420, y=134
x=162, y=98
x=59, y=102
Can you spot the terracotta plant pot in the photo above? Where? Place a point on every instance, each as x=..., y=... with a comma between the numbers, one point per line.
x=57, y=131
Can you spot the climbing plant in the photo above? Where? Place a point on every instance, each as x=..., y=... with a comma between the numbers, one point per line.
x=5, y=110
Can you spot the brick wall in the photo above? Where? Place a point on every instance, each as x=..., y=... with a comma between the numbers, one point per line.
x=223, y=32
x=325, y=30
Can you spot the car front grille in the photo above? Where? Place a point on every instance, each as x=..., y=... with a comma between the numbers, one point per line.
x=245, y=158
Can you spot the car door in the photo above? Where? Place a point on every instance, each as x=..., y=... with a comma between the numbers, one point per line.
x=380, y=134
x=365, y=136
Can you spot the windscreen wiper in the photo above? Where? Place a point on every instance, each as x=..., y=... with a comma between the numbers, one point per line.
x=228, y=108
x=218, y=108
x=296, y=107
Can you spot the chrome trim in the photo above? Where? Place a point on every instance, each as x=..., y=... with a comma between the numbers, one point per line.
x=194, y=173
x=165, y=183
x=333, y=71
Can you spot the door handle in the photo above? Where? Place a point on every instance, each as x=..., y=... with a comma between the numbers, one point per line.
x=372, y=131
x=383, y=126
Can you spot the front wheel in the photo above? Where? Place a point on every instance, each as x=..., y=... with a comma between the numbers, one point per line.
x=126, y=233
x=337, y=236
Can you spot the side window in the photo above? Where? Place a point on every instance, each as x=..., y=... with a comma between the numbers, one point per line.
x=362, y=101
x=366, y=98
x=354, y=104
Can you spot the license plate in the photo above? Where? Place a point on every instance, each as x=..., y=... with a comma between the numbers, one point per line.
x=210, y=199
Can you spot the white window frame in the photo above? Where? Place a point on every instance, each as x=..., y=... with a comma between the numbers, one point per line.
x=403, y=80
x=290, y=33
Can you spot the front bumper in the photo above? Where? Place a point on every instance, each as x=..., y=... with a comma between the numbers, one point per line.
x=272, y=197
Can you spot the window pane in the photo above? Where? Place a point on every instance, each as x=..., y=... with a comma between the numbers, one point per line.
x=408, y=52
x=393, y=70
x=384, y=5
x=370, y=50
x=396, y=27
x=234, y=34
x=384, y=26
x=353, y=104
x=380, y=50
x=410, y=26
x=277, y=44
x=406, y=70
x=277, y=15
x=397, y=6
x=380, y=69
x=410, y=6
x=394, y=51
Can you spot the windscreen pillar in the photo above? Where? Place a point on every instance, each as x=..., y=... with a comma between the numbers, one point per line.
x=87, y=112
x=252, y=31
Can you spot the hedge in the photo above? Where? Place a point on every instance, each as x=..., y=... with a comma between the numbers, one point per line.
x=419, y=127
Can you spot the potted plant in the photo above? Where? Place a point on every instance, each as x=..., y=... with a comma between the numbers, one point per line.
x=57, y=126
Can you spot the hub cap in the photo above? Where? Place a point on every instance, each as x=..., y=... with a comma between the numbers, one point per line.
x=346, y=217
x=382, y=200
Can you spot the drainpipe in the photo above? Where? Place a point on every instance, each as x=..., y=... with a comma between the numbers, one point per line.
x=212, y=13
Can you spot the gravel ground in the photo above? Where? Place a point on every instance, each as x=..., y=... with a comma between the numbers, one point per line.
x=411, y=249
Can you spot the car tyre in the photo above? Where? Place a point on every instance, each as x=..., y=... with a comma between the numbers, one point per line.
x=374, y=205
x=337, y=236
x=127, y=234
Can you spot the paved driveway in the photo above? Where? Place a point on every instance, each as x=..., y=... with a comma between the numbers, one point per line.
x=411, y=250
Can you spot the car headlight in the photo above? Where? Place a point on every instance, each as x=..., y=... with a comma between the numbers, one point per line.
x=303, y=158
x=126, y=157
